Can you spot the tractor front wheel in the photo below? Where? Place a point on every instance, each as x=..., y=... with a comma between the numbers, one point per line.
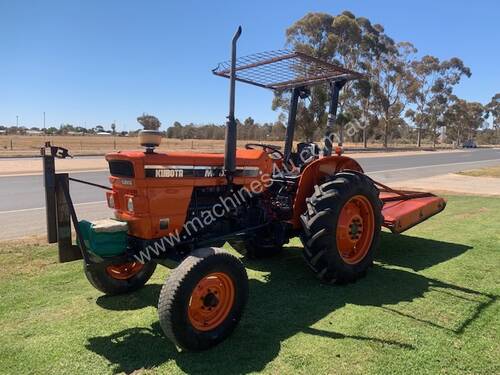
x=342, y=227
x=121, y=278
x=203, y=299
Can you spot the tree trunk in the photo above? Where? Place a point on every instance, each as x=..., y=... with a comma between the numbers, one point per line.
x=341, y=134
x=434, y=128
x=386, y=131
x=419, y=136
x=365, y=141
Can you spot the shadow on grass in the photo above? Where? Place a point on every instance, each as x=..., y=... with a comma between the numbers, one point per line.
x=290, y=301
x=146, y=296
x=416, y=253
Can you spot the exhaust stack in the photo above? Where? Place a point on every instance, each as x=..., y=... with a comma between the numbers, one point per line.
x=230, y=145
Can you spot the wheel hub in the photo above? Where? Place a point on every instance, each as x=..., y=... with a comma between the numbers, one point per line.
x=355, y=229
x=124, y=271
x=211, y=301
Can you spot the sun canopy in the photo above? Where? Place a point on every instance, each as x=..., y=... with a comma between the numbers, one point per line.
x=284, y=69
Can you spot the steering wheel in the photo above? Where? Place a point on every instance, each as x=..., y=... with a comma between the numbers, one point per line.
x=269, y=149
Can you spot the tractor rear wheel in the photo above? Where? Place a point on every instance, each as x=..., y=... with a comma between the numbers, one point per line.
x=342, y=227
x=203, y=299
x=119, y=278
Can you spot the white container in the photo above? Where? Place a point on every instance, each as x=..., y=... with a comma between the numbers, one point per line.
x=150, y=138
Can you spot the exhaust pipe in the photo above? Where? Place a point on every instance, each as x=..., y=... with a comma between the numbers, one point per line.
x=230, y=145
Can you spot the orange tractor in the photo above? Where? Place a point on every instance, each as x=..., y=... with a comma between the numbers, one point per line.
x=174, y=207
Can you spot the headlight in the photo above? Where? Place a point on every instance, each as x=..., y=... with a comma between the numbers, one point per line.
x=111, y=200
x=130, y=204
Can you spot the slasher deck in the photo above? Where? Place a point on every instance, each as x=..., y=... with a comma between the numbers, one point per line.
x=405, y=209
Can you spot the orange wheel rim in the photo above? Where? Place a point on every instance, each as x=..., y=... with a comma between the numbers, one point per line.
x=124, y=271
x=355, y=229
x=211, y=301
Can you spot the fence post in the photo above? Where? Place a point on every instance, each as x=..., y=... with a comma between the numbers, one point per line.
x=11, y=145
x=49, y=177
x=67, y=251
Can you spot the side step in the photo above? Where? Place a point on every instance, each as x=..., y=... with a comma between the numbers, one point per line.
x=403, y=210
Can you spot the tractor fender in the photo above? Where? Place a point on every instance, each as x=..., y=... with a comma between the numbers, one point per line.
x=317, y=173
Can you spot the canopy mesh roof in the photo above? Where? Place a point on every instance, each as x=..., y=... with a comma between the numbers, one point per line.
x=283, y=69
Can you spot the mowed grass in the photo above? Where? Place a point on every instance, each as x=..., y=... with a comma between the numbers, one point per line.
x=483, y=172
x=429, y=305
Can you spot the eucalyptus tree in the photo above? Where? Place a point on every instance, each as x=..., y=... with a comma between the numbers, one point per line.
x=360, y=111
x=493, y=110
x=391, y=81
x=344, y=40
x=474, y=119
x=149, y=122
x=431, y=91
x=464, y=117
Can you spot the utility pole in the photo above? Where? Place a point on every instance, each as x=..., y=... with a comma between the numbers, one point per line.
x=17, y=121
x=113, y=128
x=44, y=121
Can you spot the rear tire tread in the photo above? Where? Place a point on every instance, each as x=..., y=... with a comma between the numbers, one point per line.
x=318, y=237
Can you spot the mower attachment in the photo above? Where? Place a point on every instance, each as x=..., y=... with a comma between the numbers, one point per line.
x=405, y=209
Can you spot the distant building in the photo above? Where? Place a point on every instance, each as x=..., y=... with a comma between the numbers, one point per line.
x=75, y=133
x=3, y=132
x=104, y=133
x=34, y=132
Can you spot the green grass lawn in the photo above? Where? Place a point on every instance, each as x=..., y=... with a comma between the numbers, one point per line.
x=429, y=305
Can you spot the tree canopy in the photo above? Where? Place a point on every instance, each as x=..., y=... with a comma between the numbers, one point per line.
x=149, y=122
x=403, y=94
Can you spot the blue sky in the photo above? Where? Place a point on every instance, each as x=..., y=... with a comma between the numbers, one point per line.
x=94, y=62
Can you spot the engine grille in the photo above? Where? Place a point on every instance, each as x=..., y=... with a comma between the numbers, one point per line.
x=121, y=168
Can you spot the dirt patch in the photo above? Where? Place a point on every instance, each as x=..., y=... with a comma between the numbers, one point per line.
x=24, y=256
x=483, y=172
x=6, y=246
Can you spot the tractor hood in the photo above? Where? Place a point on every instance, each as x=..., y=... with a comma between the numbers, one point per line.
x=138, y=164
x=152, y=191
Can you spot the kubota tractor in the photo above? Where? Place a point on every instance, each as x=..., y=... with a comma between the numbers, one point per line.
x=176, y=207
